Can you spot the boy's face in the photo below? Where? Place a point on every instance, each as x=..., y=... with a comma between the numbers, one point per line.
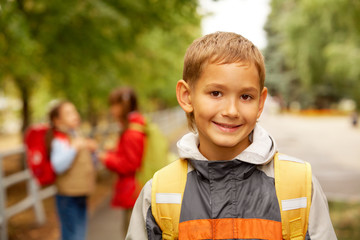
x=226, y=101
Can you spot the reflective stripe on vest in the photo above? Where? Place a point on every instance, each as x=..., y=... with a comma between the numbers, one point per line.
x=293, y=188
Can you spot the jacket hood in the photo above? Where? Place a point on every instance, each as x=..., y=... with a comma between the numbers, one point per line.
x=260, y=151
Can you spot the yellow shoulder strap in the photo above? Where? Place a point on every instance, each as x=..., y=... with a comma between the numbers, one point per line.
x=292, y=183
x=167, y=192
x=293, y=189
x=137, y=126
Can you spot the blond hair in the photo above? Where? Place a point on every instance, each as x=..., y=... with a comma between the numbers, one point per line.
x=219, y=48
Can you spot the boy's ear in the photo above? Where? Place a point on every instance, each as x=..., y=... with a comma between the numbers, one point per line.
x=183, y=96
x=262, y=99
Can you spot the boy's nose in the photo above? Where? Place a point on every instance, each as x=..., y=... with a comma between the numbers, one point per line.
x=231, y=109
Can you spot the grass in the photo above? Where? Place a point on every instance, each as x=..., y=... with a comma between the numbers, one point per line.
x=345, y=217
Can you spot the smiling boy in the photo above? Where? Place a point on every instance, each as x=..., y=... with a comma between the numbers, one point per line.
x=229, y=187
x=228, y=99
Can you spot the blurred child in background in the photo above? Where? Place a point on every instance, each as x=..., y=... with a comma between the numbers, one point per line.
x=126, y=159
x=72, y=160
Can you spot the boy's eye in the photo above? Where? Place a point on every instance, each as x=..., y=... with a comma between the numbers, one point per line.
x=215, y=94
x=246, y=97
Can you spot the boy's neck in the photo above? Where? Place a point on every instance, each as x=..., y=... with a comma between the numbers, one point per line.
x=216, y=153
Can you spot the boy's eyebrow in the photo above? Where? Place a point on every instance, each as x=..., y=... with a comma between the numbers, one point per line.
x=223, y=86
x=217, y=85
x=249, y=89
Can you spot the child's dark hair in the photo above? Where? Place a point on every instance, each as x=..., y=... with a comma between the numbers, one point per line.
x=55, y=111
x=125, y=96
x=52, y=115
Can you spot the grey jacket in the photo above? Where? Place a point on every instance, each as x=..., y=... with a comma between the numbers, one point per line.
x=239, y=189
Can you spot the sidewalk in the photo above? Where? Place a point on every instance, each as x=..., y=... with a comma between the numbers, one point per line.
x=106, y=223
x=329, y=143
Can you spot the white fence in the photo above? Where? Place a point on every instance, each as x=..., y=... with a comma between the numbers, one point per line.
x=34, y=197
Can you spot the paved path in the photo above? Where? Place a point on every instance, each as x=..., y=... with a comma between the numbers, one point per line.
x=106, y=223
x=330, y=144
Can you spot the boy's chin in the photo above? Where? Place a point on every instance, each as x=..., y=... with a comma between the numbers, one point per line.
x=231, y=143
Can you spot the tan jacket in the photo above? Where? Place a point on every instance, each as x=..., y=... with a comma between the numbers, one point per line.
x=79, y=179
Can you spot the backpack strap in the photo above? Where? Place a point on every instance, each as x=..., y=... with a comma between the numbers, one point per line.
x=168, y=187
x=167, y=192
x=137, y=127
x=293, y=188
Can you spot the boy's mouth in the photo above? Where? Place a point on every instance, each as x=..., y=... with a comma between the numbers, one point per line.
x=227, y=127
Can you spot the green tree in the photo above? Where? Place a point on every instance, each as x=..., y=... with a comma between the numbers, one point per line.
x=19, y=55
x=311, y=50
x=83, y=49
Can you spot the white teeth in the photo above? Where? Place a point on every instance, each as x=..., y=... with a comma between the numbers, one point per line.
x=226, y=126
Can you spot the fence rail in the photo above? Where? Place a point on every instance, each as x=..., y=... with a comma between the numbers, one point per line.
x=34, y=197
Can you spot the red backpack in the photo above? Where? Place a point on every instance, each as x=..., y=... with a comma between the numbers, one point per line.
x=38, y=158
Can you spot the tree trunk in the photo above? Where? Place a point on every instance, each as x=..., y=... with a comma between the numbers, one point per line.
x=92, y=117
x=25, y=107
x=25, y=98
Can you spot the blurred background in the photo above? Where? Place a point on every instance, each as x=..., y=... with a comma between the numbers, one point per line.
x=81, y=50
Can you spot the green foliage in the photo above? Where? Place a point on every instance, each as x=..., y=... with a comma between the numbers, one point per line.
x=345, y=217
x=80, y=50
x=313, y=50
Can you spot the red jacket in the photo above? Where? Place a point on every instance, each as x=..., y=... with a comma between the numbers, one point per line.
x=125, y=160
